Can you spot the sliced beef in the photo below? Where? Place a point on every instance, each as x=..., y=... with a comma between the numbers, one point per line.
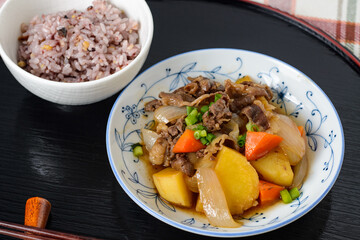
x=171, y=134
x=203, y=100
x=201, y=85
x=236, y=92
x=218, y=114
x=200, y=153
x=217, y=144
x=180, y=124
x=163, y=149
x=245, y=93
x=152, y=105
x=158, y=151
x=181, y=163
x=258, y=90
x=179, y=98
x=161, y=127
x=173, y=131
x=192, y=88
x=205, y=85
x=239, y=103
x=257, y=116
x=185, y=95
x=170, y=140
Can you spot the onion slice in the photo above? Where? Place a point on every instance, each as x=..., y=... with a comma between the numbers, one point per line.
x=191, y=183
x=213, y=199
x=300, y=171
x=166, y=114
x=292, y=144
x=149, y=138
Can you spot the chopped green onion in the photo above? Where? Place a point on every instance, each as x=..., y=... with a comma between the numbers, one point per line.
x=241, y=140
x=200, y=134
x=204, y=141
x=217, y=96
x=189, y=109
x=197, y=134
x=210, y=137
x=192, y=117
x=199, y=117
x=193, y=112
x=137, y=150
x=211, y=104
x=252, y=127
x=285, y=196
x=189, y=120
x=203, y=133
x=200, y=127
x=204, y=109
x=294, y=193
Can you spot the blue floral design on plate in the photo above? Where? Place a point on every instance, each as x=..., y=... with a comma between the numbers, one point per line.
x=281, y=92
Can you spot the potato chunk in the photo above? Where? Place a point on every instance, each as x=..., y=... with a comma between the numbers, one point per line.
x=171, y=186
x=238, y=179
x=275, y=167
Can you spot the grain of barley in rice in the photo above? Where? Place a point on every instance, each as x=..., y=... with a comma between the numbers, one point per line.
x=79, y=46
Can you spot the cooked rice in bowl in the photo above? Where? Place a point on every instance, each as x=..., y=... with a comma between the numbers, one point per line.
x=76, y=46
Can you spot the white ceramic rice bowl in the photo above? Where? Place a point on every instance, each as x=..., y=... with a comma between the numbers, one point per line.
x=296, y=93
x=15, y=12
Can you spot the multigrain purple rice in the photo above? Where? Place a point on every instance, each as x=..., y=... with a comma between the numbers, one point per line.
x=75, y=46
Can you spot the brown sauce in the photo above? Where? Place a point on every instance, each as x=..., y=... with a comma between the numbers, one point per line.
x=258, y=209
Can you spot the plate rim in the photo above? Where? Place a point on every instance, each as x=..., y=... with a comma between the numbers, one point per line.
x=166, y=220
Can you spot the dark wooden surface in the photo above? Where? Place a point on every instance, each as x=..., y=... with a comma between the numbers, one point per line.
x=59, y=153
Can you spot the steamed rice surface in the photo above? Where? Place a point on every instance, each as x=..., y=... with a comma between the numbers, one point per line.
x=75, y=46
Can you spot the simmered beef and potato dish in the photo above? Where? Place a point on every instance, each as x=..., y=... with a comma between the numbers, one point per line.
x=224, y=148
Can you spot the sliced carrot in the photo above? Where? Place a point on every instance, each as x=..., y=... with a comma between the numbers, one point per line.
x=269, y=192
x=187, y=143
x=301, y=130
x=258, y=144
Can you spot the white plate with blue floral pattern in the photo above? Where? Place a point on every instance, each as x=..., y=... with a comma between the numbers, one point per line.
x=294, y=92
